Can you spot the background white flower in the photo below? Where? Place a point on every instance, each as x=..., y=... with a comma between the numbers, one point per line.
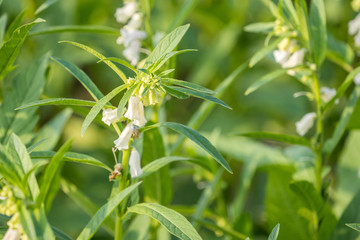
x=124, y=13
x=327, y=94
x=305, y=123
x=110, y=116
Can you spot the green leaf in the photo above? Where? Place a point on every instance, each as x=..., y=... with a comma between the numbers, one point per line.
x=76, y=28
x=104, y=212
x=60, y=234
x=223, y=229
x=355, y=226
x=162, y=60
x=182, y=14
x=134, y=232
x=199, y=95
x=157, y=164
x=99, y=56
x=174, y=222
x=52, y=130
x=16, y=23
x=195, y=137
x=190, y=85
x=350, y=214
x=265, y=79
x=303, y=25
x=175, y=93
x=342, y=89
x=318, y=34
x=99, y=106
x=82, y=77
x=27, y=87
x=260, y=27
x=10, y=168
x=11, y=48
x=53, y=169
x=274, y=233
x=58, y=101
x=166, y=45
x=72, y=157
x=331, y=143
x=265, y=51
x=125, y=99
x=158, y=186
x=3, y=21
x=44, y=6
x=289, y=12
x=27, y=164
x=120, y=61
x=340, y=53
x=277, y=137
x=85, y=203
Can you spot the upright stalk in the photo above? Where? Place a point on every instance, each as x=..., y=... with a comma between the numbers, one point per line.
x=122, y=186
x=318, y=143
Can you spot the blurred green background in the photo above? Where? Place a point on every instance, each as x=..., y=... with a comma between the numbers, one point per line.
x=217, y=32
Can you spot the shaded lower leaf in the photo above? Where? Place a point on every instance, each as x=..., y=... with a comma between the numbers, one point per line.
x=265, y=79
x=174, y=222
x=355, y=226
x=58, y=101
x=76, y=28
x=104, y=212
x=186, y=84
x=278, y=137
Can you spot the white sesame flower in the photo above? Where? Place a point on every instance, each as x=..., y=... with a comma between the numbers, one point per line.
x=124, y=13
x=295, y=59
x=327, y=94
x=122, y=143
x=134, y=163
x=110, y=116
x=354, y=29
x=357, y=79
x=306, y=122
x=135, y=111
x=281, y=56
x=12, y=234
x=129, y=35
x=132, y=52
x=135, y=22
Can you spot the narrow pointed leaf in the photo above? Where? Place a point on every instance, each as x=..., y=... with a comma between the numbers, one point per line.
x=190, y=85
x=200, y=95
x=82, y=77
x=125, y=99
x=264, y=80
x=175, y=93
x=120, y=61
x=274, y=233
x=174, y=222
x=44, y=6
x=3, y=21
x=157, y=65
x=77, y=28
x=72, y=157
x=104, y=212
x=166, y=45
x=277, y=137
x=11, y=48
x=99, y=106
x=59, y=101
x=260, y=27
x=355, y=226
x=195, y=137
x=99, y=56
x=51, y=171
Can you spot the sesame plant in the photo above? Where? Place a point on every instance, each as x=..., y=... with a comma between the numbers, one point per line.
x=130, y=89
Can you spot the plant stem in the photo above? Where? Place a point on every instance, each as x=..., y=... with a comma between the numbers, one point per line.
x=319, y=133
x=122, y=186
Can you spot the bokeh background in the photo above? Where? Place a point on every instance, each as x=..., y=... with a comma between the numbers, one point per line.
x=217, y=32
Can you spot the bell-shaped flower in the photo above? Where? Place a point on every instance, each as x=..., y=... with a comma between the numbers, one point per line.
x=122, y=143
x=357, y=80
x=110, y=116
x=12, y=234
x=124, y=13
x=135, y=111
x=134, y=163
x=305, y=124
x=295, y=59
x=327, y=94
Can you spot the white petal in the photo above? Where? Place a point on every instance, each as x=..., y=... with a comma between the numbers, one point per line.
x=124, y=13
x=281, y=56
x=357, y=79
x=135, y=111
x=306, y=122
x=295, y=59
x=134, y=163
x=327, y=94
x=132, y=52
x=12, y=234
x=109, y=116
x=135, y=21
x=122, y=143
x=354, y=25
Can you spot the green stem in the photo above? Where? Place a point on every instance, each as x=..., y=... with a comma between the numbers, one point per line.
x=122, y=186
x=319, y=134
